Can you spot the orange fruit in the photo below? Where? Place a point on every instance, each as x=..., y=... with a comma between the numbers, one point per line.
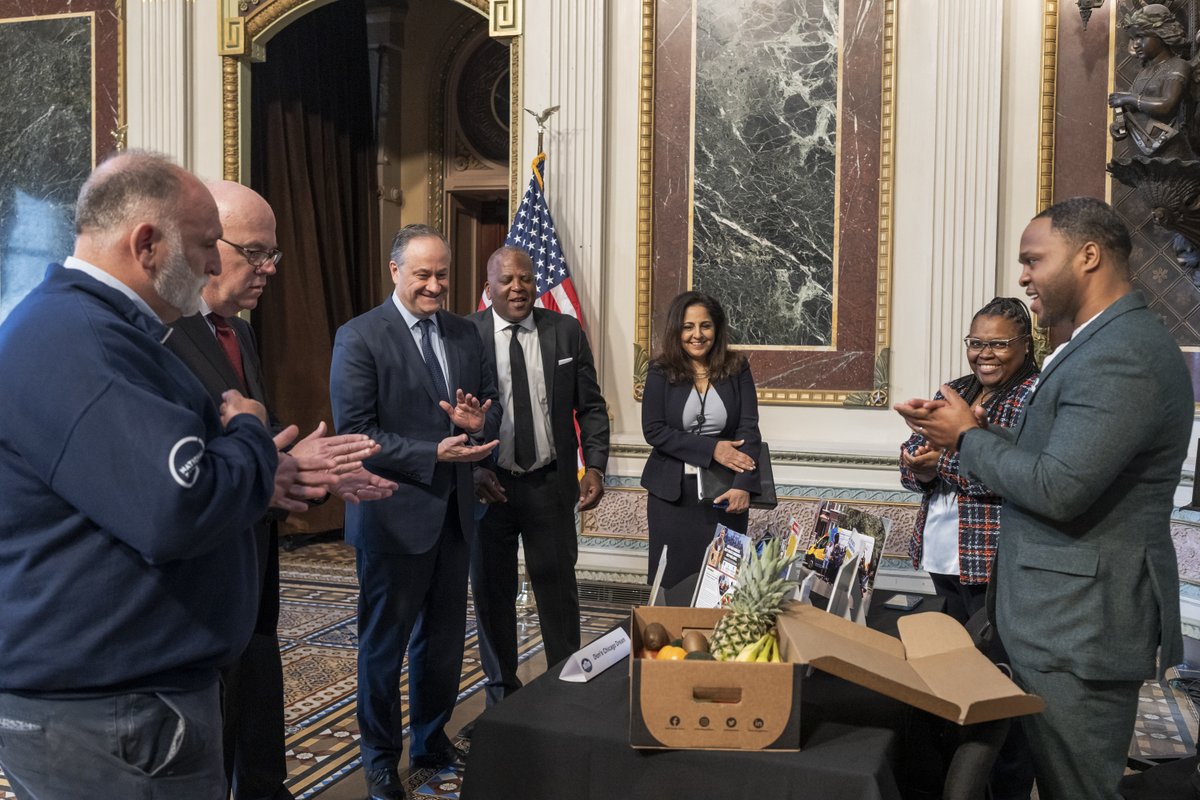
x=671, y=653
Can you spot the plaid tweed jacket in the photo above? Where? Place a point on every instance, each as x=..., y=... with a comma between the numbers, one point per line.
x=978, y=507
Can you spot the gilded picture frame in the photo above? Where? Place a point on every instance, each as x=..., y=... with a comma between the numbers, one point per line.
x=849, y=365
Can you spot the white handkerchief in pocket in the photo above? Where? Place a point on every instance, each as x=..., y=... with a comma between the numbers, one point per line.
x=566, y=360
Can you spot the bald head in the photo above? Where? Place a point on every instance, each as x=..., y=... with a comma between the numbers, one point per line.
x=249, y=238
x=510, y=283
x=152, y=225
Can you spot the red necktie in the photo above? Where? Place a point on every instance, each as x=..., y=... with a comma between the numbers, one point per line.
x=229, y=343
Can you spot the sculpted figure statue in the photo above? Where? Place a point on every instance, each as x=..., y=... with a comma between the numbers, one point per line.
x=1154, y=112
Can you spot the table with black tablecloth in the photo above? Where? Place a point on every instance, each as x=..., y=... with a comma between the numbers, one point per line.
x=554, y=740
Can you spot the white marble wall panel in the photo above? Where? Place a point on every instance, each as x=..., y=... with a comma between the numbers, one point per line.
x=564, y=45
x=159, y=76
x=765, y=154
x=964, y=145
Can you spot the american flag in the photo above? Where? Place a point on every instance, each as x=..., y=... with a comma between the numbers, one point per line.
x=532, y=230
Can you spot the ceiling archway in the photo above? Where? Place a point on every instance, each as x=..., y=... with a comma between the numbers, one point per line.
x=247, y=26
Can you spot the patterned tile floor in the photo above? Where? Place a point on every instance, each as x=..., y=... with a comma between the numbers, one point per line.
x=319, y=647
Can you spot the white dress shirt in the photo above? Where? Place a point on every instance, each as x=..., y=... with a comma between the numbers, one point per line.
x=439, y=347
x=532, y=349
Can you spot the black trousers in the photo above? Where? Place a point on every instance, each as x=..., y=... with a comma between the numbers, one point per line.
x=252, y=696
x=540, y=513
x=1012, y=774
x=686, y=526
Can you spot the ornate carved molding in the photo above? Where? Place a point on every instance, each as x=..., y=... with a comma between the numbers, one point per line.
x=1045, y=185
x=454, y=43
x=231, y=30
x=645, y=197
x=515, y=167
x=506, y=18
x=230, y=118
x=797, y=458
x=243, y=29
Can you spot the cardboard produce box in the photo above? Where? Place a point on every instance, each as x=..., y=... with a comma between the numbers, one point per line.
x=724, y=705
x=933, y=665
x=708, y=705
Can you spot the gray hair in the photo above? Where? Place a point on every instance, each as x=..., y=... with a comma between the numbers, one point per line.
x=135, y=182
x=409, y=232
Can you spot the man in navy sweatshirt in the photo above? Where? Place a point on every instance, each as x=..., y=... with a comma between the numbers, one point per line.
x=128, y=573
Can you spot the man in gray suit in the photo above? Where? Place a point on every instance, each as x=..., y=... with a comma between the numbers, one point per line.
x=1085, y=580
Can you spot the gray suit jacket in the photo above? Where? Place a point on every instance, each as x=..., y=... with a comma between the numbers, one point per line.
x=1085, y=579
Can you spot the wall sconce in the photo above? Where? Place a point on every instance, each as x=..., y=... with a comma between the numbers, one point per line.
x=1085, y=9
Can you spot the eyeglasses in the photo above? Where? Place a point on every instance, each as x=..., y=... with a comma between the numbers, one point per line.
x=995, y=345
x=257, y=258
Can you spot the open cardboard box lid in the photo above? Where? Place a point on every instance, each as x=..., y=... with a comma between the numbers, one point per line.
x=933, y=665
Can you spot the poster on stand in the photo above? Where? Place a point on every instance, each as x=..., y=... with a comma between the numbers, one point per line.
x=722, y=560
x=843, y=536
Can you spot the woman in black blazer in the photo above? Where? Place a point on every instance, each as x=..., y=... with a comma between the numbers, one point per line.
x=699, y=408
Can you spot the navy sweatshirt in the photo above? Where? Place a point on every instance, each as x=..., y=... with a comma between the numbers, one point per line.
x=127, y=561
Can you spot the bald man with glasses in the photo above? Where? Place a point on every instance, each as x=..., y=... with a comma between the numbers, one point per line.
x=220, y=349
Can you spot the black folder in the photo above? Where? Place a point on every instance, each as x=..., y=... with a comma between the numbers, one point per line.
x=716, y=480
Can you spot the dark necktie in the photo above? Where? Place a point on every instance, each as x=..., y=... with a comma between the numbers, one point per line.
x=229, y=344
x=431, y=361
x=525, y=448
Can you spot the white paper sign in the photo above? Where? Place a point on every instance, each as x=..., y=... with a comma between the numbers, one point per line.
x=595, y=657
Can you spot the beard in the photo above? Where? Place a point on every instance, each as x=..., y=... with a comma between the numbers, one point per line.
x=175, y=282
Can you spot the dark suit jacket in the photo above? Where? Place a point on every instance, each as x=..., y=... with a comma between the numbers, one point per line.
x=379, y=386
x=196, y=345
x=194, y=342
x=662, y=425
x=1085, y=579
x=571, y=389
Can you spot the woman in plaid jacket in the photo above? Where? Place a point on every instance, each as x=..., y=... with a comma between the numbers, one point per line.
x=955, y=535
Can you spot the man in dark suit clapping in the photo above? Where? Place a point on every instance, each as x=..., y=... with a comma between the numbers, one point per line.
x=546, y=380
x=413, y=377
x=220, y=349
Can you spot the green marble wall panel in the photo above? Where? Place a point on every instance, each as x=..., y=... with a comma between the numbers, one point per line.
x=46, y=119
x=765, y=157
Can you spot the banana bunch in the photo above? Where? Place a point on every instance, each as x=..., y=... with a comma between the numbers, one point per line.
x=765, y=649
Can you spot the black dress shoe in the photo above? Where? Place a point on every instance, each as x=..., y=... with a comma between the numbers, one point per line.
x=467, y=731
x=384, y=784
x=454, y=759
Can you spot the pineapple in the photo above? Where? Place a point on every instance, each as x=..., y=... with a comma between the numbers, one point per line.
x=755, y=603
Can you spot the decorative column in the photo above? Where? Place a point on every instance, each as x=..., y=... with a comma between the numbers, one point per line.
x=564, y=47
x=950, y=135
x=159, y=75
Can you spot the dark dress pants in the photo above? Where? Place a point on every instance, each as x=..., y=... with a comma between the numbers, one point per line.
x=1081, y=741
x=252, y=695
x=1012, y=774
x=541, y=514
x=416, y=603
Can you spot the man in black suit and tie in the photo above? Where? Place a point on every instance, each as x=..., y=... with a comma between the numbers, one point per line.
x=413, y=377
x=547, y=381
x=220, y=350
